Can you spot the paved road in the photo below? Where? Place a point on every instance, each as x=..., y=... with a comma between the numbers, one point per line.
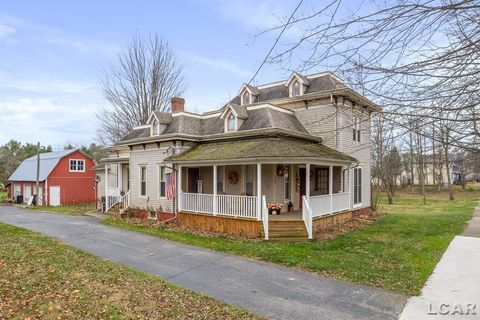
x=452, y=291
x=263, y=288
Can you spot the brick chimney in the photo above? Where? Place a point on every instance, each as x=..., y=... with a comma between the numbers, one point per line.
x=178, y=104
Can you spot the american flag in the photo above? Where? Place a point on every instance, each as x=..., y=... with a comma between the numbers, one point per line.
x=170, y=185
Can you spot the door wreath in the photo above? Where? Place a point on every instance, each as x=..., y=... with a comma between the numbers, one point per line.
x=280, y=170
x=233, y=177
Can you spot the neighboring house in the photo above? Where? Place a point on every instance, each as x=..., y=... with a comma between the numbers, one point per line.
x=303, y=142
x=66, y=177
x=434, y=174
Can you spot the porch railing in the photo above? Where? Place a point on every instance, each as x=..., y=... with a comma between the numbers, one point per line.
x=112, y=199
x=196, y=202
x=307, y=217
x=265, y=217
x=340, y=201
x=228, y=205
x=238, y=206
x=125, y=201
x=329, y=203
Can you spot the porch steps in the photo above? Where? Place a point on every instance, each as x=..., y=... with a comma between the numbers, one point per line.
x=287, y=231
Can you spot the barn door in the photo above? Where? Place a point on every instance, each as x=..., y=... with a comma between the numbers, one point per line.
x=54, y=195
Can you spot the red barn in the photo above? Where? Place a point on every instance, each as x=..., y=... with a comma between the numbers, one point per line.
x=66, y=177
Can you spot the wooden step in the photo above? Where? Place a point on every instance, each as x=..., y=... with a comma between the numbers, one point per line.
x=287, y=231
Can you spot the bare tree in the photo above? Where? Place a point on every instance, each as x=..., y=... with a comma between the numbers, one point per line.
x=416, y=57
x=144, y=79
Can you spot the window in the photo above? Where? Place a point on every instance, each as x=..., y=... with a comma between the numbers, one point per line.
x=231, y=122
x=156, y=128
x=162, y=181
x=249, y=176
x=357, y=185
x=296, y=89
x=286, y=177
x=77, y=165
x=321, y=180
x=246, y=97
x=356, y=129
x=143, y=181
x=220, y=177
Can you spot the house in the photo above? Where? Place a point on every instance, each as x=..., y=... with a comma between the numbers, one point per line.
x=302, y=143
x=66, y=177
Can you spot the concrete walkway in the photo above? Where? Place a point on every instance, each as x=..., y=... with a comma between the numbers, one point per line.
x=453, y=289
x=263, y=288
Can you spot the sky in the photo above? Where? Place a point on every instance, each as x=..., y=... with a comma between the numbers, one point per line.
x=53, y=55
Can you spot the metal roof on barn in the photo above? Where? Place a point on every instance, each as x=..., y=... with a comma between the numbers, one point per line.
x=27, y=170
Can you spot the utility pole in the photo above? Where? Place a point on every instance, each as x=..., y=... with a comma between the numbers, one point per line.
x=37, y=182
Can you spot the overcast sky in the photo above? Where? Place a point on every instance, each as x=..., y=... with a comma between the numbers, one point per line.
x=52, y=55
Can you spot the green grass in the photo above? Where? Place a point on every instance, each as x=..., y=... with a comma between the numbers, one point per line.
x=42, y=278
x=398, y=252
x=3, y=196
x=74, y=210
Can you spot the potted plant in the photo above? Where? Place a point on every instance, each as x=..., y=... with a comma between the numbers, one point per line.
x=274, y=208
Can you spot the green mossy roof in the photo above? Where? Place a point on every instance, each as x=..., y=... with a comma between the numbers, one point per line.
x=260, y=148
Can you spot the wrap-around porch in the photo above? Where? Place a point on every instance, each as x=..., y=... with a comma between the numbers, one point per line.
x=248, y=190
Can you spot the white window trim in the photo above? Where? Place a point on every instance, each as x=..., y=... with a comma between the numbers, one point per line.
x=76, y=165
x=226, y=121
x=359, y=204
x=242, y=101
x=302, y=88
x=160, y=166
x=140, y=180
x=152, y=128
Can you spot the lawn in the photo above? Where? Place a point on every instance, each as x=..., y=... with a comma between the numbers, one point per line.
x=3, y=196
x=43, y=278
x=74, y=210
x=398, y=252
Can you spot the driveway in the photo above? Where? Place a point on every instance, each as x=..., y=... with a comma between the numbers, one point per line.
x=263, y=288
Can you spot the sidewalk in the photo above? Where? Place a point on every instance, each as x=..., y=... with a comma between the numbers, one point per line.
x=453, y=289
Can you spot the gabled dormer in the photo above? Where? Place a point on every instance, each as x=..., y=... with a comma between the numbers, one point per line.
x=248, y=94
x=158, y=122
x=233, y=117
x=297, y=84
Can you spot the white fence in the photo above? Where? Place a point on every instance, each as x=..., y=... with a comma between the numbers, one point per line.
x=125, y=201
x=112, y=199
x=196, y=202
x=340, y=201
x=265, y=217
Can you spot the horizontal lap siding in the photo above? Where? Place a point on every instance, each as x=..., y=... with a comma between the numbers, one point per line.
x=152, y=157
x=361, y=151
x=319, y=121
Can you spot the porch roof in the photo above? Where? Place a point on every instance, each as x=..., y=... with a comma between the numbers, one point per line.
x=261, y=149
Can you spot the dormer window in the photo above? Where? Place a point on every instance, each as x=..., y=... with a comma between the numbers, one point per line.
x=296, y=88
x=155, y=128
x=231, y=122
x=246, y=97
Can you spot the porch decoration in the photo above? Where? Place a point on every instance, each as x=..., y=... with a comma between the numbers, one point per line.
x=274, y=208
x=233, y=177
x=280, y=170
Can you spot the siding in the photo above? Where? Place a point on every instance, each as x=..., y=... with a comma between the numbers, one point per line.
x=319, y=121
x=151, y=157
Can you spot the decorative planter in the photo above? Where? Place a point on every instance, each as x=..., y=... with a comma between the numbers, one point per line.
x=274, y=211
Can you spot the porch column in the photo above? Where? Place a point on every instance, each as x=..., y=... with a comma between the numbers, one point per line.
x=214, y=189
x=119, y=177
x=350, y=187
x=307, y=182
x=330, y=186
x=259, y=192
x=179, y=183
x=106, y=187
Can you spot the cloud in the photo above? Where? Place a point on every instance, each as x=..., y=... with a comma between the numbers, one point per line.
x=5, y=31
x=217, y=63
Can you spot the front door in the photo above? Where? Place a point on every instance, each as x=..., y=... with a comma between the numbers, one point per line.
x=193, y=176
x=301, y=174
